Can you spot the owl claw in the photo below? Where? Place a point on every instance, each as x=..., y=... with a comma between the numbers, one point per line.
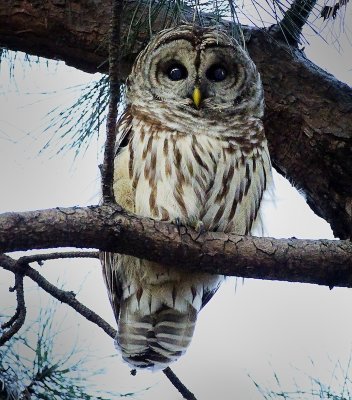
x=199, y=227
x=178, y=224
x=192, y=222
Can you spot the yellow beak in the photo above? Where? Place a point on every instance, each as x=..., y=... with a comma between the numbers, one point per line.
x=197, y=96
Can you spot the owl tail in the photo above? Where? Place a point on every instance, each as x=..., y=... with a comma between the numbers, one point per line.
x=155, y=340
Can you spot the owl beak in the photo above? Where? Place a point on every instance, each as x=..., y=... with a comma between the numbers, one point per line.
x=196, y=96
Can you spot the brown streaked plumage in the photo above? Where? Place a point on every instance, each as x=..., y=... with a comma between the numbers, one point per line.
x=205, y=163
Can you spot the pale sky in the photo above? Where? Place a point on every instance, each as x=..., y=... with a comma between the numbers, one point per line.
x=253, y=328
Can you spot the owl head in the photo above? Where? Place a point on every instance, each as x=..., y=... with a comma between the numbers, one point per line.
x=195, y=71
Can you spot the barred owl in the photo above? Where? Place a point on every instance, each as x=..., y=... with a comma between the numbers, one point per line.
x=191, y=149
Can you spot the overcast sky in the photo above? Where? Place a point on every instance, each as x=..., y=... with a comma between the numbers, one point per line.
x=253, y=328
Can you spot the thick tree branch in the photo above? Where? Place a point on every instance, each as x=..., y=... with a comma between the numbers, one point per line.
x=309, y=130
x=109, y=228
x=307, y=110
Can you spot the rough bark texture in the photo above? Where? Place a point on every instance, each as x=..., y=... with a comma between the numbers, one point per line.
x=308, y=125
x=111, y=229
x=308, y=111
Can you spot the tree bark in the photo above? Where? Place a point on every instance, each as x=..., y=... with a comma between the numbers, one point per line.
x=109, y=228
x=307, y=110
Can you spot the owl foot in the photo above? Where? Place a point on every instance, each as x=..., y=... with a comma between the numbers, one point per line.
x=198, y=226
x=192, y=222
x=176, y=221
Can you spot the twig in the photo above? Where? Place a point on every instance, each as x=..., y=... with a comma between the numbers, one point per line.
x=68, y=298
x=39, y=258
x=20, y=269
x=186, y=394
x=291, y=25
x=114, y=78
x=17, y=320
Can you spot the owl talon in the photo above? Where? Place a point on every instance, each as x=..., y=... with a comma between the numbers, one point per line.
x=191, y=222
x=200, y=228
x=178, y=224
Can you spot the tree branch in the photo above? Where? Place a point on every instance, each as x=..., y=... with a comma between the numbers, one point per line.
x=15, y=323
x=186, y=394
x=18, y=267
x=290, y=27
x=109, y=228
x=114, y=80
x=40, y=258
x=307, y=123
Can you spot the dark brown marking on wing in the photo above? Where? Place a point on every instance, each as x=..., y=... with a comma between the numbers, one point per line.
x=194, y=293
x=254, y=164
x=248, y=179
x=178, y=157
x=139, y=295
x=190, y=168
x=196, y=155
x=135, y=179
x=130, y=161
x=218, y=216
x=152, y=201
x=148, y=147
x=167, y=167
x=153, y=161
x=226, y=183
x=233, y=209
x=174, y=295
x=181, y=203
x=142, y=135
x=166, y=148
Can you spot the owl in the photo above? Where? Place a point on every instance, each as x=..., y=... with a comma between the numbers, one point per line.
x=191, y=148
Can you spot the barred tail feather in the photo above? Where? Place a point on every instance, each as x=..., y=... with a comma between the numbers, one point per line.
x=155, y=340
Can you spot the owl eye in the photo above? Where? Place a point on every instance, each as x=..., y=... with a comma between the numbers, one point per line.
x=176, y=72
x=216, y=73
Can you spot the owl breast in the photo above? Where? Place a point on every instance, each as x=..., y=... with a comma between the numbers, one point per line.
x=171, y=172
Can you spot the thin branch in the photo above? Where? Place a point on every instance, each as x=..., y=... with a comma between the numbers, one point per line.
x=20, y=269
x=114, y=79
x=291, y=25
x=40, y=258
x=16, y=322
x=186, y=394
x=110, y=228
x=65, y=297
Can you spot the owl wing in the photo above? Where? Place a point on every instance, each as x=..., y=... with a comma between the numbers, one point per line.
x=109, y=262
x=233, y=199
x=208, y=294
x=123, y=131
x=124, y=196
